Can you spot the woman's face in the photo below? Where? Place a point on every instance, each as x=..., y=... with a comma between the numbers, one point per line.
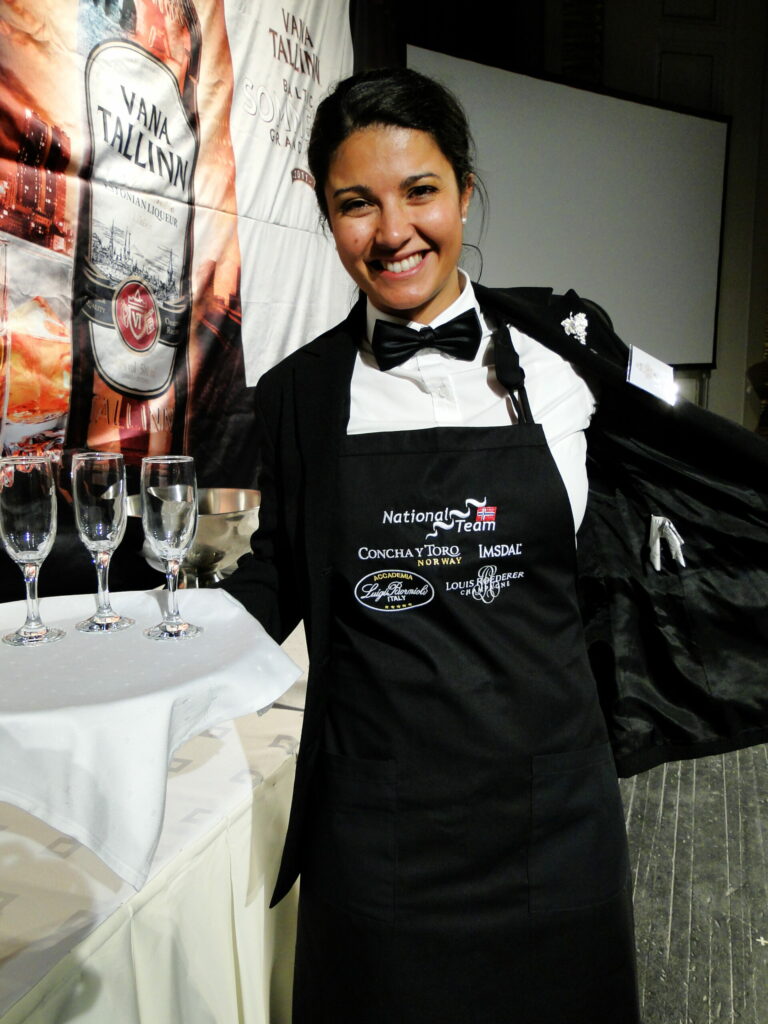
x=396, y=211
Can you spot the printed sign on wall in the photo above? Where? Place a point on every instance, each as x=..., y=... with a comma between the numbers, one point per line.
x=161, y=241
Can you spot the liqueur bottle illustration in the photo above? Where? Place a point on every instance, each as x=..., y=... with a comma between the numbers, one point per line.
x=131, y=292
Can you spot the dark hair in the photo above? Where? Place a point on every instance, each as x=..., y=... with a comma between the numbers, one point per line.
x=390, y=96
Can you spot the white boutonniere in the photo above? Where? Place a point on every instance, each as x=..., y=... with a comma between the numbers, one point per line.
x=577, y=325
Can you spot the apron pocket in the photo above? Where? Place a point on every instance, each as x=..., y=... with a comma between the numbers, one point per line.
x=349, y=858
x=578, y=854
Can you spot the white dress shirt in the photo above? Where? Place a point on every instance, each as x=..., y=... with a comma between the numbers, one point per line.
x=432, y=389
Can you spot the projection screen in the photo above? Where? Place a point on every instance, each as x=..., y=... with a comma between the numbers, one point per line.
x=619, y=200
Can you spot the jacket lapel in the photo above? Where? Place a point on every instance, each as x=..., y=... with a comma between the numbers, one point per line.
x=323, y=373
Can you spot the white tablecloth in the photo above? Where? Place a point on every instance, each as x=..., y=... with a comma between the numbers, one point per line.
x=197, y=944
x=88, y=725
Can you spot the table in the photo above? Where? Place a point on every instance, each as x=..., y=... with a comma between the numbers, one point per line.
x=88, y=724
x=197, y=943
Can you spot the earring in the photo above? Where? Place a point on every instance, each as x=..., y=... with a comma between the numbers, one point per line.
x=463, y=220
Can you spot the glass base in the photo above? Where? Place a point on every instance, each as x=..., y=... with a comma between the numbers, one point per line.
x=33, y=637
x=105, y=623
x=173, y=631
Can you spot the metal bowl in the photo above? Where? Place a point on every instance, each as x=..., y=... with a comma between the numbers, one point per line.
x=226, y=518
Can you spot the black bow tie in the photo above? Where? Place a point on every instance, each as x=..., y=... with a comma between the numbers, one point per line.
x=393, y=343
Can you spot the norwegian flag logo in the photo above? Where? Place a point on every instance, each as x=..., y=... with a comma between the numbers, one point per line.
x=486, y=514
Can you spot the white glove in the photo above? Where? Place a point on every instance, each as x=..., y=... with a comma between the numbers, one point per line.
x=663, y=528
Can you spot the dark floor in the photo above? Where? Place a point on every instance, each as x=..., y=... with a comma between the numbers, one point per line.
x=698, y=834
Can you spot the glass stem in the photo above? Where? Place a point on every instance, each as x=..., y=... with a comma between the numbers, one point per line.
x=34, y=623
x=172, y=617
x=101, y=560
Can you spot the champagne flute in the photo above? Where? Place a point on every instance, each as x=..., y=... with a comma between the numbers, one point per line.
x=28, y=529
x=98, y=489
x=169, y=517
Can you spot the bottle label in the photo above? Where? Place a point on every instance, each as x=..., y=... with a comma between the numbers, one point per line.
x=144, y=149
x=136, y=315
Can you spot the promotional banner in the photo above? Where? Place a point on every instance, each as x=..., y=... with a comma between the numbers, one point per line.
x=160, y=244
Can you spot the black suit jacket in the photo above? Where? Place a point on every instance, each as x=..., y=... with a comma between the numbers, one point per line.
x=680, y=656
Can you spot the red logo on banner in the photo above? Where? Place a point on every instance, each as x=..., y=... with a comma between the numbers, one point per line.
x=136, y=315
x=486, y=514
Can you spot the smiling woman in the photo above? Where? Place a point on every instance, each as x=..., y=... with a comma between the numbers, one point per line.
x=456, y=819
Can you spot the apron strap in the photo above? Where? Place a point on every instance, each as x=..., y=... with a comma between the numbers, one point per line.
x=510, y=373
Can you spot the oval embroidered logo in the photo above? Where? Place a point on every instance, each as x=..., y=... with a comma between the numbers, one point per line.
x=393, y=590
x=136, y=315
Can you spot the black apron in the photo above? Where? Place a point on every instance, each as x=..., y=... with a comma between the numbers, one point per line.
x=465, y=858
